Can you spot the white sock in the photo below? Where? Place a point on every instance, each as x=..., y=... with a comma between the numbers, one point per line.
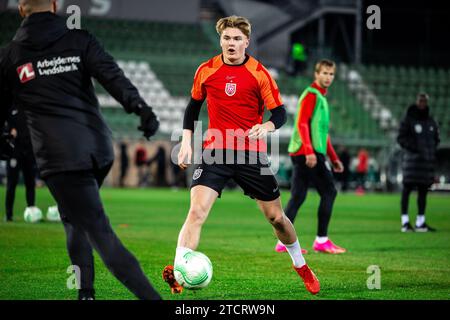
x=321, y=239
x=296, y=254
x=405, y=219
x=420, y=220
x=180, y=252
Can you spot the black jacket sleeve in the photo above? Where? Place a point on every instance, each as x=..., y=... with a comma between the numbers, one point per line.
x=437, y=138
x=405, y=138
x=191, y=114
x=278, y=116
x=12, y=118
x=101, y=66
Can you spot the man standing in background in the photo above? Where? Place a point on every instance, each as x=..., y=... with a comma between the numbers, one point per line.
x=310, y=143
x=419, y=137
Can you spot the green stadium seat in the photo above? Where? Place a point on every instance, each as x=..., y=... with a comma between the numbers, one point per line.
x=397, y=87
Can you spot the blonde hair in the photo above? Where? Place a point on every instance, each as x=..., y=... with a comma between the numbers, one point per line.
x=324, y=63
x=240, y=23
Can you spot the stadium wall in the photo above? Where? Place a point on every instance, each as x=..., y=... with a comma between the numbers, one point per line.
x=166, y=11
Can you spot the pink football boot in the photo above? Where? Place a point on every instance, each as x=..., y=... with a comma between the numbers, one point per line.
x=328, y=247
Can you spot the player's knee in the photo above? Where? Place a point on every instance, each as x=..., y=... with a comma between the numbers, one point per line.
x=277, y=220
x=330, y=194
x=333, y=193
x=197, y=214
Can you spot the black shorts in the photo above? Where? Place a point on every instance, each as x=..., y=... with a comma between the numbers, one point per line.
x=256, y=179
x=321, y=176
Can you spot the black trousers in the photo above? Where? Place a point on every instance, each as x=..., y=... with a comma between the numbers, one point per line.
x=422, y=190
x=87, y=226
x=26, y=165
x=321, y=177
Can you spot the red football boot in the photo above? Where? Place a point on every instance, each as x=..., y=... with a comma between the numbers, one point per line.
x=309, y=279
x=169, y=277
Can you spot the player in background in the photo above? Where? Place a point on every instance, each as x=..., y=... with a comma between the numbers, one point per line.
x=47, y=70
x=309, y=145
x=236, y=88
x=22, y=160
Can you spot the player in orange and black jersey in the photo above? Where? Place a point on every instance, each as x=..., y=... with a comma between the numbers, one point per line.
x=236, y=88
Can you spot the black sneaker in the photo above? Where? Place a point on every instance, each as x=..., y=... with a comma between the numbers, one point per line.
x=424, y=228
x=8, y=219
x=407, y=227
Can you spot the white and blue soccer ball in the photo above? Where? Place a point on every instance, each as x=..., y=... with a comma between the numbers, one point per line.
x=53, y=214
x=32, y=214
x=194, y=270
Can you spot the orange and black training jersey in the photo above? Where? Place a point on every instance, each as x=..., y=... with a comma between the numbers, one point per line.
x=235, y=96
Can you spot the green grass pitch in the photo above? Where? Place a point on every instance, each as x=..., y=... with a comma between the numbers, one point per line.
x=240, y=243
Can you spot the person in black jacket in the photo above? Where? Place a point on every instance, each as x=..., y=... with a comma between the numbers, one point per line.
x=47, y=71
x=419, y=138
x=22, y=160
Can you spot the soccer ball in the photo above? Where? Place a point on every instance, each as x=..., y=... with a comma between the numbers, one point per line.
x=194, y=270
x=53, y=214
x=32, y=214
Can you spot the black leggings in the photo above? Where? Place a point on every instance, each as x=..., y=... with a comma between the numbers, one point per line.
x=422, y=191
x=321, y=177
x=27, y=165
x=86, y=226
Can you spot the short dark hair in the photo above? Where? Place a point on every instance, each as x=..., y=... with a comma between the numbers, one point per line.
x=35, y=3
x=31, y=5
x=423, y=95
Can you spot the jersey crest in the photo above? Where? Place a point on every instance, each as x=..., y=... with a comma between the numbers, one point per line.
x=230, y=89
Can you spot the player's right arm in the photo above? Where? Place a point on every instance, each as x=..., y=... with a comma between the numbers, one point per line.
x=198, y=95
x=405, y=138
x=190, y=117
x=304, y=128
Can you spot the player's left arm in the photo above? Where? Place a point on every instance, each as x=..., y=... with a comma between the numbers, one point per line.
x=337, y=164
x=277, y=119
x=272, y=100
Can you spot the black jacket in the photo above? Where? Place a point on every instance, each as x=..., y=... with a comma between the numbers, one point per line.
x=419, y=137
x=46, y=71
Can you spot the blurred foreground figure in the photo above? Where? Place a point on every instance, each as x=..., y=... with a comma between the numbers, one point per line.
x=47, y=71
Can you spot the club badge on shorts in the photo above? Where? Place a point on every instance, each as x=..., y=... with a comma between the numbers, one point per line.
x=230, y=89
x=197, y=174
